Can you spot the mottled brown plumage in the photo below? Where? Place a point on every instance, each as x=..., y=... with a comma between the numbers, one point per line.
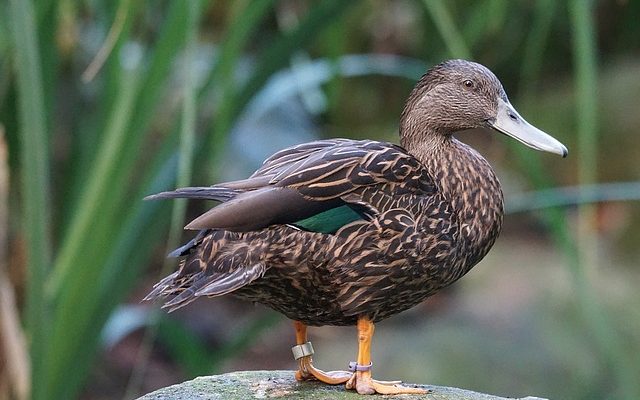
x=425, y=213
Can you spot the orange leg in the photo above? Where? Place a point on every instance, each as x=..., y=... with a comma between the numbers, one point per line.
x=306, y=371
x=361, y=379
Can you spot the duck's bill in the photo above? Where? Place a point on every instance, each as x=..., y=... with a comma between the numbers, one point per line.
x=509, y=122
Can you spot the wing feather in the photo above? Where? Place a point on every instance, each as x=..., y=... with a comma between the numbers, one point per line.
x=305, y=180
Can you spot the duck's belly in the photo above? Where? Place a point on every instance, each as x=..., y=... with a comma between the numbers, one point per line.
x=373, y=272
x=298, y=297
x=318, y=303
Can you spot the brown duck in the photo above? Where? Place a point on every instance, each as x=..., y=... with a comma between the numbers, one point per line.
x=350, y=232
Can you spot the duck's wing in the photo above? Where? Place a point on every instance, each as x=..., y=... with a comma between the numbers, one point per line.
x=319, y=186
x=300, y=183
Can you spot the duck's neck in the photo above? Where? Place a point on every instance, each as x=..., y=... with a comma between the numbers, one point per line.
x=467, y=180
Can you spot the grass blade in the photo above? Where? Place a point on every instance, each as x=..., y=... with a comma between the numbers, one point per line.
x=585, y=66
x=235, y=40
x=185, y=166
x=188, y=125
x=271, y=60
x=82, y=310
x=443, y=21
x=35, y=181
x=140, y=230
x=97, y=184
x=68, y=283
x=536, y=41
x=584, y=43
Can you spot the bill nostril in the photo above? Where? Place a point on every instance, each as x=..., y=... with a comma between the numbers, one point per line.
x=513, y=117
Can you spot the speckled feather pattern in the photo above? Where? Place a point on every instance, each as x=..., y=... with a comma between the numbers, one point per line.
x=425, y=234
x=432, y=210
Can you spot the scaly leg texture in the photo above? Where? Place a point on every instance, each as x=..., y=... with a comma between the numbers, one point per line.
x=361, y=380
x=306, y=371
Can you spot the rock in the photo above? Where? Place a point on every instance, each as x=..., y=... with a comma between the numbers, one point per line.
x=282, y=385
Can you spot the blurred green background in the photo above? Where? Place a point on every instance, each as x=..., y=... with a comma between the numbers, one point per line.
x=102, y=103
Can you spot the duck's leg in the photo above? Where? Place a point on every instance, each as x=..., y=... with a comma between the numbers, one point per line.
x=361, y=379
x=306, y=371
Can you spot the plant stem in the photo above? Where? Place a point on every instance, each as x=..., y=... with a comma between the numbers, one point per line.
x=443, y=21
x=585, y=65
x=185, y=166
x=35, y=181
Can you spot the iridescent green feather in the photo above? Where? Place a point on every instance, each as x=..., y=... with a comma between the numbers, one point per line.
x=329, y=221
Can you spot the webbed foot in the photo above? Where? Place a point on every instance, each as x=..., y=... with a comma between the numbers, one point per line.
x=362, y=382
x=306, y=371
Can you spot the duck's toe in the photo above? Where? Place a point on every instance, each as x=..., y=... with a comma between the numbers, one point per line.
x=307, y=371
x=364, y=384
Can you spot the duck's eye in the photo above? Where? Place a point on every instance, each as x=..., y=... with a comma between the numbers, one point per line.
x=468, y=83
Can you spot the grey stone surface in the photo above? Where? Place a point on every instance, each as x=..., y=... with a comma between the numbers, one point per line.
x=282, y=385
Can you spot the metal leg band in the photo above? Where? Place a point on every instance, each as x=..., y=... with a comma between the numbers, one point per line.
x=302, y=350
x=354, y=366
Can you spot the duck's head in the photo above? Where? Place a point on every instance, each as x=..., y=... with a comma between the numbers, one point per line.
x=457, y=95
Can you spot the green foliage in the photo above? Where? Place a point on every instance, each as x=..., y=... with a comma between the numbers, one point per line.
x=35, y=178
x=106, y=234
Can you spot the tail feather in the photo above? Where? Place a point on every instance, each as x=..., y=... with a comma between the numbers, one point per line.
x=237, y=279
x=202, y=284
x=160, y=288
x=186, y=296
x=214, y=265
x=217, y=193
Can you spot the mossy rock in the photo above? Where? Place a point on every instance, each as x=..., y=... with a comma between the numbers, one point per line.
x=282, y=385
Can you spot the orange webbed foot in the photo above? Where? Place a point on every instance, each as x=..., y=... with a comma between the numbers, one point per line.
x=302, y=353
x=362, y=382
x=306, y=371
x=359, y=377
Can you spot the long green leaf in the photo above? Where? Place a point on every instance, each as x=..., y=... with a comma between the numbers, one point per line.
x=82, y=309
x=140, y=230
x=89, y=128
x=586, y=81
x=185, y=166
x=188, y=122
x=119, y=170
x=234, y=42
x=35, y=181
x=584, y=51
x=68, y=284
x=448, y=31
x=5, y=58
x=273, y=58
x=96, y=191
x=536, y=40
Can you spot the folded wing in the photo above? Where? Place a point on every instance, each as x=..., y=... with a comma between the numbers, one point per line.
x=301, y=182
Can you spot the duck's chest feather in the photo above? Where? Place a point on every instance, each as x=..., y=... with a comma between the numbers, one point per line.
x=393, y=262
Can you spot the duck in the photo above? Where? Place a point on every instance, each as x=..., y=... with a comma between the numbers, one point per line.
x=350, y=232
